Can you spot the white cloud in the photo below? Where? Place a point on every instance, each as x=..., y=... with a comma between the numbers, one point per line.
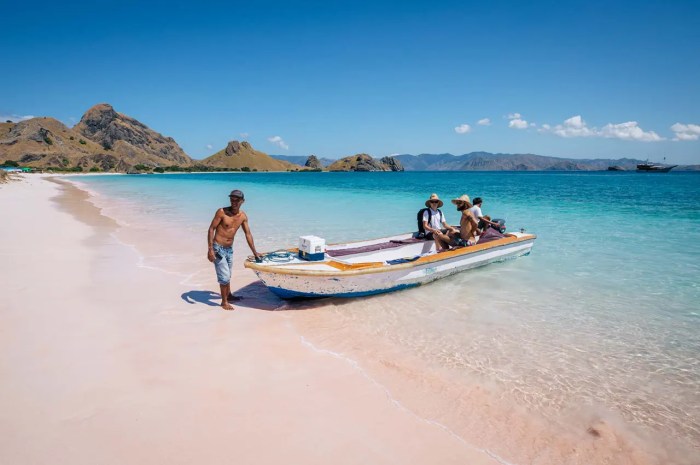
x=14, y=118
x=572, y=127
x=463, y=129
x=629, y=131
x=277, y=140
x=577, y=127
x=484, y=122
x=514, y=116
x=209, y=146
x=686, y=131
x=517, y=123
x=244, y=135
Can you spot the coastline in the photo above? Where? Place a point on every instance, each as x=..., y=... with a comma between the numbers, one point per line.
x=340, y=361
x=112, y=364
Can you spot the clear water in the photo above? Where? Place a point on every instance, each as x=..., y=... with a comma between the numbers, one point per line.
x=605, y=311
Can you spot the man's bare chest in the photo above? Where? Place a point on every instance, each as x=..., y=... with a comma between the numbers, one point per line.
x=232, y=221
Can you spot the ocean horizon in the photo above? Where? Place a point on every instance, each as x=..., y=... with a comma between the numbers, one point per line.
x=601, y=317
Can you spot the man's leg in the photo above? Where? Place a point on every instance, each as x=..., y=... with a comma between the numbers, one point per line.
x=442, y=241
x=223, y=275
x=225, y=289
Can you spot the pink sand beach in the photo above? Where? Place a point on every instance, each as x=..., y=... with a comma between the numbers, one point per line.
x=106, y=359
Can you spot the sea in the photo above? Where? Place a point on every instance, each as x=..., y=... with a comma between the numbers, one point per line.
x=595, y=335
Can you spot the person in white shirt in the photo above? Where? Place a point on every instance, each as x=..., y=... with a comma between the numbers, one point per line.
x=476, y=213
x=435, y=225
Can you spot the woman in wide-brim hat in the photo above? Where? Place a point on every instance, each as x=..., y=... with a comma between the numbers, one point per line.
x=434, y=198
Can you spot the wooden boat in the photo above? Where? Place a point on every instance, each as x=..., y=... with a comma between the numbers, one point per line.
x=380, y=265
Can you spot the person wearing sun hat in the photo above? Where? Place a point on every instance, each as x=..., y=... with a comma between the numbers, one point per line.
x=435, y=226
x=468, y=225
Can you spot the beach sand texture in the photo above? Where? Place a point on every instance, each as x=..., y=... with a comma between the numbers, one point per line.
x=103, y=362
x=105, y=359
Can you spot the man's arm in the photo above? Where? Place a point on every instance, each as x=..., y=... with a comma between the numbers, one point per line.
x=447, y=226
x=471, y=218
x=249, y=236
x=211, y=232
x=487, y=221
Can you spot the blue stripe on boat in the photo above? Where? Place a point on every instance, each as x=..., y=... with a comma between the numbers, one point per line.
x=287, y=294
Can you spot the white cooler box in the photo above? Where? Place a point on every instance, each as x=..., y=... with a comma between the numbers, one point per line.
x=312, y=248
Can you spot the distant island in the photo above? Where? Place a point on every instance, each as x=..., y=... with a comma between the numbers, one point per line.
x=107, y=141
x=485, y=161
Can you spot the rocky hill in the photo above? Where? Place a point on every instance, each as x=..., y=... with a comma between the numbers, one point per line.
x=240, y=155
x=129, y=138
x=104, y=140
x=44, y=142
x=364, y=162
x=313, y=163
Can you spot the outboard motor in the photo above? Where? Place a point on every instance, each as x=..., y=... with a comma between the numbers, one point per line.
x=501, y=223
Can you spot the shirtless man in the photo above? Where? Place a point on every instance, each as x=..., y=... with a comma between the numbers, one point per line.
x=468, y=225
x=220, y=236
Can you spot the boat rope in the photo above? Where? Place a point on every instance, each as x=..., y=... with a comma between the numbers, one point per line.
x=279, y=256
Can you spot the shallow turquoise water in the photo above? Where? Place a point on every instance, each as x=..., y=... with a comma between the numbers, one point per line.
x=604, y=311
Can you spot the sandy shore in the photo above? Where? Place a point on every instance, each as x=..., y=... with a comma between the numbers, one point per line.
x=105, y=361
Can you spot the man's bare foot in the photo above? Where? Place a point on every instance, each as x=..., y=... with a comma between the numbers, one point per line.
x=227, y=306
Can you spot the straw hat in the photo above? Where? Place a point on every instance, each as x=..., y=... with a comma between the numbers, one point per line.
x=464, y=198
x=434, y=197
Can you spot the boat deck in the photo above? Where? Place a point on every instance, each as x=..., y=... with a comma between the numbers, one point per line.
x=388, y=252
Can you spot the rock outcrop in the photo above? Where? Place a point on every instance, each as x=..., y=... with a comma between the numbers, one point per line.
x=313, y=162
x=364, y=162
x=392, y=163
x=242, y=156
x=129, y=138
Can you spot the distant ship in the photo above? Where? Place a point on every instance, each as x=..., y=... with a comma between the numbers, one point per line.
x=615, y=168
x=647, y=167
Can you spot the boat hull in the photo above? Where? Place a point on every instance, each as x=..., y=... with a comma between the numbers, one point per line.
x=387, y=279
x=654, y=168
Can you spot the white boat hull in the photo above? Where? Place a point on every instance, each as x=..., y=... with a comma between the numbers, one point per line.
x=362, y=274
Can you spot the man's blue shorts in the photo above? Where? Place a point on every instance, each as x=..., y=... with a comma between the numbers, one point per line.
x=223, y=263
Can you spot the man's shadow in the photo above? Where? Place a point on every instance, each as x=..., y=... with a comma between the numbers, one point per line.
x=254, y=295
x=213, y=299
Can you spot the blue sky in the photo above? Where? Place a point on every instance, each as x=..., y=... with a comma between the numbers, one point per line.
x=570, y=79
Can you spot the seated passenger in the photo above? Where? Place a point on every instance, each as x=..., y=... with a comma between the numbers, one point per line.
x=479, y=216
x=435, y=225
x=467, y=223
